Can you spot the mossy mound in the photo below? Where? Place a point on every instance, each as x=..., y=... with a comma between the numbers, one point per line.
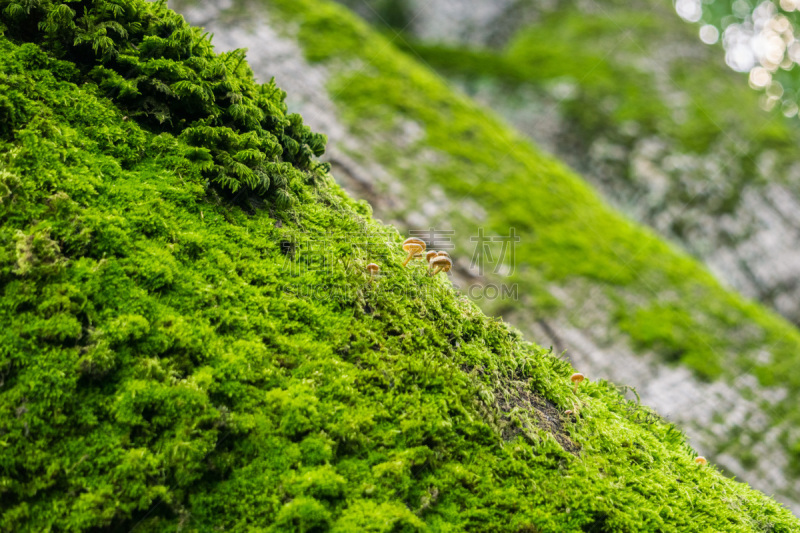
x=174, y=357
x=579, y=261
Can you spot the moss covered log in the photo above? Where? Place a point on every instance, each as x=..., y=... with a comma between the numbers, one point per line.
x=175, y=355
x=612, y=293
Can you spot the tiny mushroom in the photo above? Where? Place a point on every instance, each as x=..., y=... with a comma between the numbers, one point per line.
x=373, y=269
x=413, y=246
x=441, y=263
x=442, y=252
x=429, y=257
x=576, y=379
x=701, y=460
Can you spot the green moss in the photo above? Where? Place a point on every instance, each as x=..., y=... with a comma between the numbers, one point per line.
x=661, y=328
x=162, y=366
x=595, y=56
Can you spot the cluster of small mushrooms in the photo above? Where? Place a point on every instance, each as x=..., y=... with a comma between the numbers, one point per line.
x=437, y=261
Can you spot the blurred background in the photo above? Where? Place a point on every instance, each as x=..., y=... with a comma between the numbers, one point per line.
x=619, y=180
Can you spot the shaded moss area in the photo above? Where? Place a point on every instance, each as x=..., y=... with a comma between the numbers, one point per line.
x=172, y=359
x=163, y=73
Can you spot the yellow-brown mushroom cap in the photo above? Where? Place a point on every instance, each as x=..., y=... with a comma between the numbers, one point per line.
x=442, y=252
x=576, y=377
x=413, y=248
x=701, y=460
x=442, y=263
x=414, y=240
x=372, y=268
x=430, y=255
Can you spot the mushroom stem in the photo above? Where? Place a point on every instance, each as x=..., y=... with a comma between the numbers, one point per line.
x=413, y=246
x=576, y=379
x=429, y=257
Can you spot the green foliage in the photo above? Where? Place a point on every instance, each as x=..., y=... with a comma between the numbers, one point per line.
x=164, y=73
x=162, y=366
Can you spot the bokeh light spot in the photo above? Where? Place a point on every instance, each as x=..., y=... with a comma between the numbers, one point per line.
x=709, y=34
x=760, y=78
x=690, y=10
